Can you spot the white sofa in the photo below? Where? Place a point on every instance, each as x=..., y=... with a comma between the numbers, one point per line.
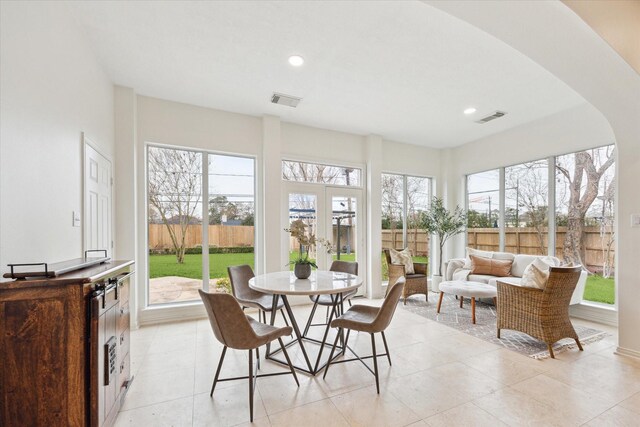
x=455, y=270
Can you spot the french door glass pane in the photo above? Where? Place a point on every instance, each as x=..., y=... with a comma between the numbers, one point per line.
x=483, y=195
x=302, y=207
x=392, y=215
x=344, y=227
x=527, y=208
x=175, y=225
x=231, y=200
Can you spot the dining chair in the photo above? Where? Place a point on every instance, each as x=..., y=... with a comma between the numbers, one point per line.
x=350, y=267
x=239, y=276
x=238, y=331
x=365, y=318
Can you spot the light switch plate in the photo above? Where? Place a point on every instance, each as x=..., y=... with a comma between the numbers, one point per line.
x=635, y=220
x=76, y=219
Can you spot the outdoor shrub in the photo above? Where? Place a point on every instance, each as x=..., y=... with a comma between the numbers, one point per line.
x=224, y=284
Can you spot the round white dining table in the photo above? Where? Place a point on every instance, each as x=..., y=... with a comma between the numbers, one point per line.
x=284, y=283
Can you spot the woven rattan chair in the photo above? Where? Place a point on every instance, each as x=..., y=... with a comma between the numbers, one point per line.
x=236, y=330
x=365, y=318
x=326, y=300
x=239, y=277
x=543, y=314
x=415, y=283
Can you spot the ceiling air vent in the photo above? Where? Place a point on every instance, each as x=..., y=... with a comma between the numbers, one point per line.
x=288, y=100
x=492, y=116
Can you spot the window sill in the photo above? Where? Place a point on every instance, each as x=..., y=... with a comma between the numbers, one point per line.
x=595, y=312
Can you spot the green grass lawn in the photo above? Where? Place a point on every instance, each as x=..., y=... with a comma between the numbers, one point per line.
x=599, y=289
x=166, y=265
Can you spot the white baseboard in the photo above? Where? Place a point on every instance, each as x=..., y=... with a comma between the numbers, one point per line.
x=595, y=313
x=627, y=352
x=189, y=311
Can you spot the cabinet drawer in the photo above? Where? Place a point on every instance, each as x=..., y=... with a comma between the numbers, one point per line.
x=123, y=290
x=123, y=316
x=124, y=374
x=123, y=344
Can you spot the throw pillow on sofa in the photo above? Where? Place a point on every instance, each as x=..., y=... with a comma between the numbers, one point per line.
x=403, y=257
x=536, y=274
x=475, y=252
x=490, y=267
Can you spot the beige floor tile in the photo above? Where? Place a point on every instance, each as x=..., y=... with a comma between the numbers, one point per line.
x=317, y=414
x=632, y=403
x=280, y=393
x=574, y=405
x=517, y=409
x=616, y=417
x=228, y=406
x=364, y=407
x=159, y=363
x=612, y=379
x=503, y=368
x=174, y=413
x=430, y=392
x=154, y=388
x=162, y=343
x=464, y=415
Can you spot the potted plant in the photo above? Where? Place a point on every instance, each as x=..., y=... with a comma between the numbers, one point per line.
x=306, y=240
x=442, y=223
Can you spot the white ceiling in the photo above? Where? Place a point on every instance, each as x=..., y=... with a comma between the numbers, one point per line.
x=403, y=70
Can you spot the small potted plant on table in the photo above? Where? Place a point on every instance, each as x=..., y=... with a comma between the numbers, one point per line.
x=306, y=240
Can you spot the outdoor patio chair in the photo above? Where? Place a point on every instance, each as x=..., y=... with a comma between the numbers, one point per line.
x=325, y=300
x=416, y=283
x=541, y=313
x=238, y=331
x=365, y=318
x=239, y=276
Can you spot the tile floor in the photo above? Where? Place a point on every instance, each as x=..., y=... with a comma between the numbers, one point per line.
x=439, y=377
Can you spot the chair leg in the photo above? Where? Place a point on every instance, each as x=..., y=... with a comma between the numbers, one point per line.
x=551, y=351
x=258, y=356
x=386, y=348
x=375, y=361
x=579, y=345
x=498, y=333
x=473, y=310
x=326, y=316
x=251, y=385
x=440, y=301
x=215, y=378
x=349, y=301
x=461, y=301
x=313, y=312
x=333, y=350
x=286, y=355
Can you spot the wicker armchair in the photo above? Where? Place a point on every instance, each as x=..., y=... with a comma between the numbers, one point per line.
x=543, y=314
x=415, y=283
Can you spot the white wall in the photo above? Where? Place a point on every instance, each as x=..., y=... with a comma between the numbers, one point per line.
x=52, y=90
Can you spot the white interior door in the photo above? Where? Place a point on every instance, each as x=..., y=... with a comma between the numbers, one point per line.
x=97, y=200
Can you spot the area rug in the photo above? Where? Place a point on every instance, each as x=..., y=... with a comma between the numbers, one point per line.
x=485, y=328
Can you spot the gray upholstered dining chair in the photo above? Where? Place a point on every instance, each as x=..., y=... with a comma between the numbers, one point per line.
x=238, y=331
x=325, y=300
x=239, y=276
x=364, y=318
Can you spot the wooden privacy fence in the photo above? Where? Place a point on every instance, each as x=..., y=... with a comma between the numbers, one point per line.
x=418, y=241
x=526, y=241
x=219, y=235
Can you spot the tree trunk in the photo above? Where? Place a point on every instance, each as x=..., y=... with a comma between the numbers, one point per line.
x=573, y=248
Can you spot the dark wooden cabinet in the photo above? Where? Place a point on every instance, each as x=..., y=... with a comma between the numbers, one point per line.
x=64, y=347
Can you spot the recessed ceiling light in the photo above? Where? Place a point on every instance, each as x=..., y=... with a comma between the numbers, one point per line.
x=470, y=110
x=296, y=60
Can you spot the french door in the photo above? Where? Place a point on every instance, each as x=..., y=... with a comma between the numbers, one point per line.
x=332, y=213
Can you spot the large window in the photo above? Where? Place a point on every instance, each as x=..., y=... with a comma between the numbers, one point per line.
x=583, y=208
x=526, y=212
x=191, y=244
x=483, y=208
x=404, y=199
